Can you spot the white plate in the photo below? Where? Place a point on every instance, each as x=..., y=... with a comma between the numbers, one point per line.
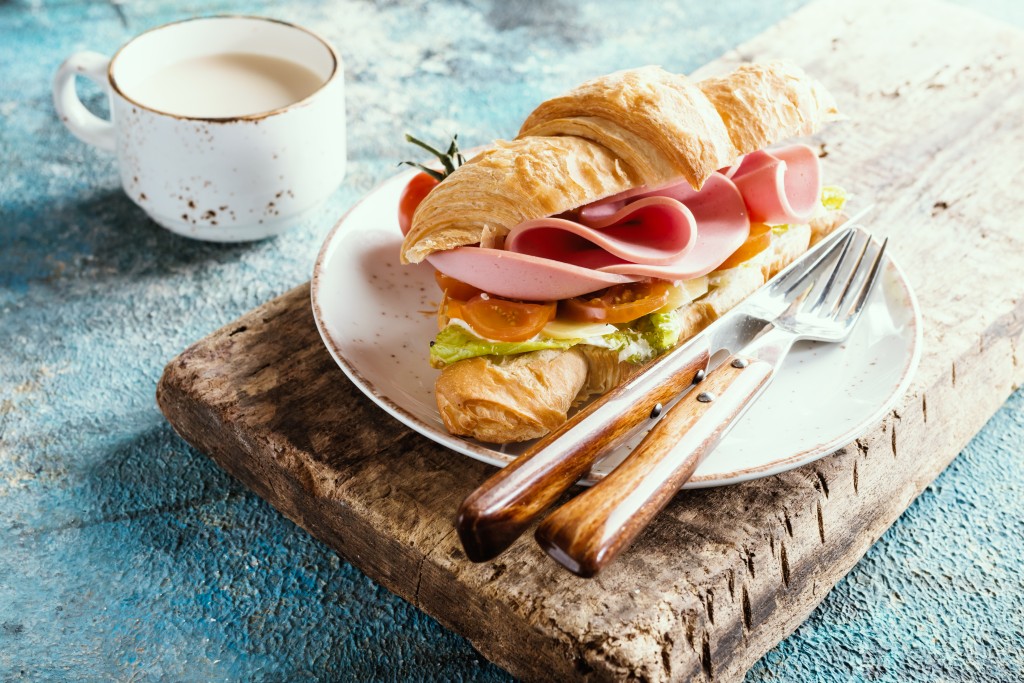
x=377, y=318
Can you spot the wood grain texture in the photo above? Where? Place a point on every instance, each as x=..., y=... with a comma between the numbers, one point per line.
x=934, y=100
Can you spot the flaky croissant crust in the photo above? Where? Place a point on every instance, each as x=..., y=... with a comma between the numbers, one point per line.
x=642, y=126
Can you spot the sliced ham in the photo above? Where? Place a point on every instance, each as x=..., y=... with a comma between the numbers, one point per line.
x=656, y=230
x=521, y=276
x=672, y=232
x=781, y=185
x=722, y=227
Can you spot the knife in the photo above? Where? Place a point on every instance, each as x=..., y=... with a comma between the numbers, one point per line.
x=492, y=517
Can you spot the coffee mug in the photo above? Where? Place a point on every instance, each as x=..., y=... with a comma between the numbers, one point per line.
x=226, y=128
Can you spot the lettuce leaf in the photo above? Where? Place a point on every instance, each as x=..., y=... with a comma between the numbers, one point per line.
x=659, y=332
x=455, y=343
x=643, y=340
x=833, y=197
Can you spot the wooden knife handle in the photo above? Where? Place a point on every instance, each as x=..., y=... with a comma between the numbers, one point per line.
x=492, y=517
x=589, y=531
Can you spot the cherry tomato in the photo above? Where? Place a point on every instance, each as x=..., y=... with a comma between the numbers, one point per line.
x=414, y=192
x=456, y=289
x=617, y=304
x=450, y=308
x=760, y=239
x=504, y=320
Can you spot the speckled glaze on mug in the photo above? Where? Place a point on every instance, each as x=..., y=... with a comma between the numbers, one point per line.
x=219, y=179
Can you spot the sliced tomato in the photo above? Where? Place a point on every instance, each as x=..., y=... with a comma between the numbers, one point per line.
x=418, y=187
x=760, y=239
x=617, y=304
x=450, y=308
x=456, y=289
x=504, y=320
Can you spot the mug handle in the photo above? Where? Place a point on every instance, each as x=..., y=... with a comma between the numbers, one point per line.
x=85, y=125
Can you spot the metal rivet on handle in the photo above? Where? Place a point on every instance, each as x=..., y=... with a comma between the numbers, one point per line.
x=656, y=411
x=699, y=377
x=705, y=397
x=740, y=363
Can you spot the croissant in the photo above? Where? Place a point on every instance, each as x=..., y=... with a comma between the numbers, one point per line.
x=637, y=127
x=642, y=127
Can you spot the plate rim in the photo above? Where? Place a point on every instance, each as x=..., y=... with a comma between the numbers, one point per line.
x=500, y=458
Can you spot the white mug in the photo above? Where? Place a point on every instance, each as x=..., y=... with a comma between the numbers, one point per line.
x=229, y=176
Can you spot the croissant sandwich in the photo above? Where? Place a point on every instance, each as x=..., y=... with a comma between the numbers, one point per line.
x=625, y=217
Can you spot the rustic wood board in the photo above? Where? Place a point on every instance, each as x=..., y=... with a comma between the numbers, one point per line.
x=934, y=139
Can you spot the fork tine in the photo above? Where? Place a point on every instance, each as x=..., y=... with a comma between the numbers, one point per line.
x=827, y=288
x=869, y=282
x=840, y=300
x=851, y=277
x=819, y=263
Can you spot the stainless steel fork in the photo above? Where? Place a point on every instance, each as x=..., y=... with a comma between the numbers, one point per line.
x=592, y=529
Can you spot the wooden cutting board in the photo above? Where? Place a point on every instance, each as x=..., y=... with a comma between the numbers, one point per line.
x=934, y=140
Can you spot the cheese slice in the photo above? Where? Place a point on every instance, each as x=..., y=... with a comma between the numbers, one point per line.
x=562, y=329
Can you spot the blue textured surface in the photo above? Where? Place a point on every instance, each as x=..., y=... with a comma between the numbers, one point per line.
x=124, y=554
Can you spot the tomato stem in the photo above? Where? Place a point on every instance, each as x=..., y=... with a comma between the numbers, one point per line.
x=450, y=159
x=436, y=175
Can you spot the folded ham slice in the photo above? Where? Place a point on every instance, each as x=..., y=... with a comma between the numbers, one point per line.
x=672, y=233
x=654, y=229
x=779, y=186
x=521, y=276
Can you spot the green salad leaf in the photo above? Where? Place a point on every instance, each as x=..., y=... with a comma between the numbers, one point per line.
x=834, y=197
x=639, y=342
x=661, y=331
x=455, y=343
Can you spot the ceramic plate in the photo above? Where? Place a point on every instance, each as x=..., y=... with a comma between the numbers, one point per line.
x=377, y=318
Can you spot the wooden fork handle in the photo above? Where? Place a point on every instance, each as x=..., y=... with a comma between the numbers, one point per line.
x=492, y=517
x=589, y=531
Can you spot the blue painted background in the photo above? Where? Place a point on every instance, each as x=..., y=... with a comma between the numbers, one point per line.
x=125, y=554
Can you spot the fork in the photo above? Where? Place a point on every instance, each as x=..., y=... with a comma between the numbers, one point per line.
x=589, y=531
